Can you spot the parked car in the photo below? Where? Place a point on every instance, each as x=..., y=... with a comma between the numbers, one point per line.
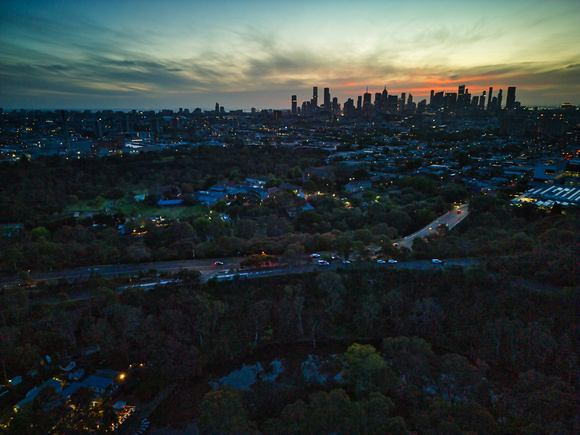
x=436, y=261
x=323, y=263
x=392, y=261
x=381, y=262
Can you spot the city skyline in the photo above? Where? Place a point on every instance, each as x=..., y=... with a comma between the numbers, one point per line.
x=152, y=55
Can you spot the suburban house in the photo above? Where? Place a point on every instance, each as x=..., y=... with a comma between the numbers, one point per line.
x=100, y=384
x=31, y=395
x=358, y=186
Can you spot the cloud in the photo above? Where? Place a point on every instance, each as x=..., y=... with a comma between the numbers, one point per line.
x=78, y=57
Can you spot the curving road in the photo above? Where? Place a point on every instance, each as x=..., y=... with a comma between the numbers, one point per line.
x=450, y=219
x=209, y=268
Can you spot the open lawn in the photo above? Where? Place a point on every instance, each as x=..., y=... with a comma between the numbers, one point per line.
x=130, y=208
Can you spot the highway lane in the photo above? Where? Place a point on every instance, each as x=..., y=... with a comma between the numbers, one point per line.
x=451, y=219
x=208, y=267
x=276, y=271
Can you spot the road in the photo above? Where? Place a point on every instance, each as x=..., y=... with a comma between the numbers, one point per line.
x=209, y=268
x=206, y=267
x=450, y=219
x=224, y=275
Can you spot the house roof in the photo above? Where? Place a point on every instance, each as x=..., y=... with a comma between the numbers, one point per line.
x=71, y=389
x=98, y=382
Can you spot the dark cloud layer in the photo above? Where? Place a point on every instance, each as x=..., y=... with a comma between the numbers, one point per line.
x=44, y=63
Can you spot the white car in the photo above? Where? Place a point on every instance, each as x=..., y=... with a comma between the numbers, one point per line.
x=323, y=263
x=381, y=262
x=392, y=261
x=436, y=261
x=346, y=262
x=315, y=255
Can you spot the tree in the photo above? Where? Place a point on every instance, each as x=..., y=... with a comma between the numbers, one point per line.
x=222, y=412
x=344, y=245
x=293, y=253
x=457, y=379
x=39, y=232
x=365, y=371
x=333, y=289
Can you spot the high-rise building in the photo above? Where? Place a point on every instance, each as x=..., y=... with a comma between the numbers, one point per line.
x=402, y=104
x=314, y=102
x=327, y=98
x=294, y=105
x=510, y=101
x=432, y=98
x=392, y=103
x=359, y=103
x=335, y=105
x=461, y=90
x=367, y=99
x=489, y=98
x=499, y=98
x=384, y=98
x=348, y=107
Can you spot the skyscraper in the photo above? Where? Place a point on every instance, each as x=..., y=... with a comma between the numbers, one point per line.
x=335, y=105
x=327, y=98
x=499, y=98
x=489, y=98
x=384, y=98
x=314, y=102
x=294, y=105
x=510, y=101
x=367, y=98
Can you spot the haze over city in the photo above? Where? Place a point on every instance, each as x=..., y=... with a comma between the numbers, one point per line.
x=150, y=54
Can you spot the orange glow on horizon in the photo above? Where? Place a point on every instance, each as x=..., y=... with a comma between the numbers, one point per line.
x=475, y=86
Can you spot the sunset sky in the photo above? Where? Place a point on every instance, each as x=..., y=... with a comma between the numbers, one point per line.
x=124, y=54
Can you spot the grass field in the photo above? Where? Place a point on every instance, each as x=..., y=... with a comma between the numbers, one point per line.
x=131, y=208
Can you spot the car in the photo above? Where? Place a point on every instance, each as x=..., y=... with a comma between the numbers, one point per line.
x=315, y=255
x=219, y=263
x=346, y=262
x=436, y=261
x=395, y=245
x=458, y=211
x=323, y=263
x=392, y=261
x=381, y=262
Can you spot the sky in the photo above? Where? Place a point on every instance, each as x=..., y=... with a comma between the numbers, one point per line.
x=129, y=54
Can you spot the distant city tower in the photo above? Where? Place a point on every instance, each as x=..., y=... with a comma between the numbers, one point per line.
x=294, y=105
x=327, y=98
x=510, y=101
x=314, y=97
